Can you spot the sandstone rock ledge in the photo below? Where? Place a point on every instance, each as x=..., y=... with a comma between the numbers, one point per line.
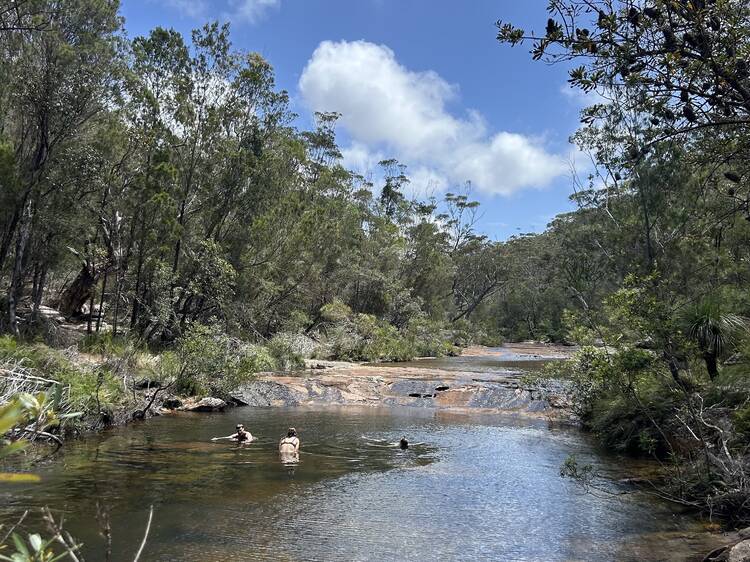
x=345, y=383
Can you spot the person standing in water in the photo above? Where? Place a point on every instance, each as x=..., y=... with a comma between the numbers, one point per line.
x=289, y=447
x=242, y=436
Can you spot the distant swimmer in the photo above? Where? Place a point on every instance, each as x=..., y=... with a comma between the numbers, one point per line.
x=242, y=436
x=289, y=447
x=403, y=444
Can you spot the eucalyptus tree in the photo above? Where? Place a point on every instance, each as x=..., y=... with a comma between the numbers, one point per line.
x=62, y=78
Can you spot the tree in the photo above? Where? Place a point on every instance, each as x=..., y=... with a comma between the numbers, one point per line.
x=713, y=330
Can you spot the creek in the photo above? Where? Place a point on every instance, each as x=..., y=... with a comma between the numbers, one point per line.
x=472, y=486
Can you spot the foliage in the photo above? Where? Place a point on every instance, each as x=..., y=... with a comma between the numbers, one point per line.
x=32, y=549
x=212, y=363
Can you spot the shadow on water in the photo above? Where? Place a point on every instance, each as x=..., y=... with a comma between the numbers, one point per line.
x=469, y=487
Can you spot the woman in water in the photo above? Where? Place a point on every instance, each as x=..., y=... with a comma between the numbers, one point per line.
x=289, y=446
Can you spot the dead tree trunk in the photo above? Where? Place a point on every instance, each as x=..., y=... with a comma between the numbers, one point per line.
x=79, y=292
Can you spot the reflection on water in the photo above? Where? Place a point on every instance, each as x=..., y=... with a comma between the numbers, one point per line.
x=467, y=488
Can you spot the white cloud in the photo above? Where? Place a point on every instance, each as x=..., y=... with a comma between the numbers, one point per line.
x=360, y=159
x=191, y=8
x=250, y=11
x=583, y=99
x=387, y=108
x=242, y=11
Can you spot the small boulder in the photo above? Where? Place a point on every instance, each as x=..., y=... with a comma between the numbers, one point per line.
x=740, y=552
x=744, y=533
x=209, y=405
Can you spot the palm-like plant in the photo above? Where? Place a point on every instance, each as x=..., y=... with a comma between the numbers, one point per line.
x=713, y=331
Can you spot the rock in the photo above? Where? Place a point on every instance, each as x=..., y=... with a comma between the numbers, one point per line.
x=717, y=555
x=261, y=393
x=740, y=552
x=172, y=403
x=208, y=405
x=744, y=533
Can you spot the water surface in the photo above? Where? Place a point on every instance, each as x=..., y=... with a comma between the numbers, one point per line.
x=478, y=488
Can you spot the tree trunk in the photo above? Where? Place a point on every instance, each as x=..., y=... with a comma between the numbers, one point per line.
x=79, y=291
x=14, y=291
x=8, y=236
x=711, y=364
x=138, y=271
x=39, y=293
x=101, y=303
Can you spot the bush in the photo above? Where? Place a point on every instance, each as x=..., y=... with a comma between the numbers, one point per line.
x=290, y=350
x=363, y=337
x=81, y=387
x=211, y=362
x=429, y=339
x=103, y=343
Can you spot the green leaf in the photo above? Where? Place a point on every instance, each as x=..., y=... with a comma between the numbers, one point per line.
x=20, y=546
x=12, y=448
x=10, y=415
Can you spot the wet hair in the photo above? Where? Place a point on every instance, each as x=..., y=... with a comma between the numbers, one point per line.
x=240, y=426
x=292, y=432
x=404, y=444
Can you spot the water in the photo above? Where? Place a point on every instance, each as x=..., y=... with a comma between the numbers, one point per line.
x=496, y=361
x=471, y=487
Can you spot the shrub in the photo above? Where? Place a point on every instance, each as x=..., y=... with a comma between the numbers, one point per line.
x=290, y=350
x=103, y=343
x=81, y=388
x=211, y=362
x=429, y=339
x=335, y=312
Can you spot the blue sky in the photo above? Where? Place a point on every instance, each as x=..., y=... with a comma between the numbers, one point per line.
x=423, y=81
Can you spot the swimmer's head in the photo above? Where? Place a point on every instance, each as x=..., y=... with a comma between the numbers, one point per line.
x=240, y=427
x=292, y=432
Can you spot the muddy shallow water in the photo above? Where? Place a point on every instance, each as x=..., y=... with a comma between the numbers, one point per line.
x=477, y=488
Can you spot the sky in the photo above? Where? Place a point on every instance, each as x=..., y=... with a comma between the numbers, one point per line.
x=422, y=81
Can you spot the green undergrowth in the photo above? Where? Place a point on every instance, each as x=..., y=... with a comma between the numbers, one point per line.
x=363, y=337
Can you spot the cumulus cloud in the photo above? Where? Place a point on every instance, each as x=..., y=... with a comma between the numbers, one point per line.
x=387, y=108
x=243, y=11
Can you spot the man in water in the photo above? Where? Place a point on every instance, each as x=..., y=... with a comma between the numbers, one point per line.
x=243, y=437
x=289, y=446
x=403, y=444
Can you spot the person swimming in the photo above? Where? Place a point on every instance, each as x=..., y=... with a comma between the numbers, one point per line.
x=242, y=436
x=403, y=444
